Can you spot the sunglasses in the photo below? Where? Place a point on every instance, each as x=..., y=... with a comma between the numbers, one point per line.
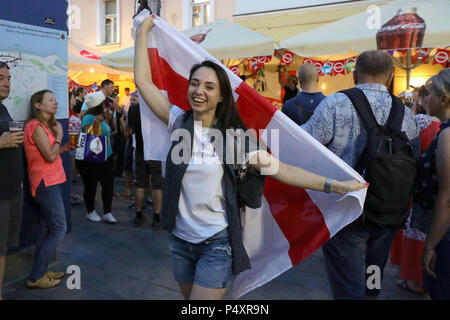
x=4, y=65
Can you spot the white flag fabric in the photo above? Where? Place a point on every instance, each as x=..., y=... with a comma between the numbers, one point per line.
x=292, y=222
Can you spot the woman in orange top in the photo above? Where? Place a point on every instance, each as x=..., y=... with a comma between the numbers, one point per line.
x=43, y=135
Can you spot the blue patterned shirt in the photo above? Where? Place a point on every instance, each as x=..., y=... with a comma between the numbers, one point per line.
x=336, y=125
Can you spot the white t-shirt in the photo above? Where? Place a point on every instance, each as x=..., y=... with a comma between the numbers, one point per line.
x=202, y=200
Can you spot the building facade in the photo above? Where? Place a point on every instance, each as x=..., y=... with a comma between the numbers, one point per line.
x=105, y=26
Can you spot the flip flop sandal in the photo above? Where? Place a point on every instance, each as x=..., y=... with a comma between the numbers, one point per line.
x=404, y=285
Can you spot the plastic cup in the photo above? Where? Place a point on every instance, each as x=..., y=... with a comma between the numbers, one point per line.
x=16, y=126
x=73, y=138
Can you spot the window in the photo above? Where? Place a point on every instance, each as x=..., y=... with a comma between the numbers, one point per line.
x=197, y=12
x=200, y=12
x=108, y=29
x=110, y=21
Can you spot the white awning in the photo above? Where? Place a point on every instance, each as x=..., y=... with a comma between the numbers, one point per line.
x=86, y=59
x=222, y=38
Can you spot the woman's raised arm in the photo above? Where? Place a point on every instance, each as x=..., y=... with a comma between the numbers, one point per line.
x=154, y=98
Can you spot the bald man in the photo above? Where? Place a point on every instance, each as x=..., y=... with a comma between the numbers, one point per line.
x=302, y=106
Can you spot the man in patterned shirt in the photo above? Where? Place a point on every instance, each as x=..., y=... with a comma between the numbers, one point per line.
x=335, y=124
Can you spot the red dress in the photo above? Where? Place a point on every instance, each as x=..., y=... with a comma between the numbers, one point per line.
x=407, y=247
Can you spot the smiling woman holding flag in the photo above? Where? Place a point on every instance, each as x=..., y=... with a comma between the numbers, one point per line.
x=200, y=198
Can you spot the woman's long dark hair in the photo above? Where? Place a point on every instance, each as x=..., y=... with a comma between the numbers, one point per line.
x=227, y=115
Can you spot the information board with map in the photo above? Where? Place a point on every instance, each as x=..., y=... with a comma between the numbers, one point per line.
x=37, y=58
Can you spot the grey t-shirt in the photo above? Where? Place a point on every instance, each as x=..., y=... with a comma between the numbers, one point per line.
x=11, y=163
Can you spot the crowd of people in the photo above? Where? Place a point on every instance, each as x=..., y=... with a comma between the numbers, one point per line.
x=197, y=201
x=40, y=142
x=100, y=113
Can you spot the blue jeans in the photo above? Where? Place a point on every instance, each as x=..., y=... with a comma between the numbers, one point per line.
x=208, y=263
x=439, y=288
x=349, y=253
x=53, y=216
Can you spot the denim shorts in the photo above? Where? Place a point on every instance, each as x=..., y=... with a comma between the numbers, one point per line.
x=207, y=264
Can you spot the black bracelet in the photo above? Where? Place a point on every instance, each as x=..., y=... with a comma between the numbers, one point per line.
x=58, y=142
x=327, y=186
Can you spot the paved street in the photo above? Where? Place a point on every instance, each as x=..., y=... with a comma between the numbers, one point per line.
x=124, y=262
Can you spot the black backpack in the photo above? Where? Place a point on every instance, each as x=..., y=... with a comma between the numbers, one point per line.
x=388, y=163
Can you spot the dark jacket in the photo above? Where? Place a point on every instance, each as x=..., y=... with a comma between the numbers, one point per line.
x=172, y=189
x=11, y=163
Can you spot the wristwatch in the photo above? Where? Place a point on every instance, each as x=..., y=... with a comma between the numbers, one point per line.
x=327, y=186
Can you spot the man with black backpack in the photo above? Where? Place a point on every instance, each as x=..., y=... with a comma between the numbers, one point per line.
x=377, y=135
x=301, y=107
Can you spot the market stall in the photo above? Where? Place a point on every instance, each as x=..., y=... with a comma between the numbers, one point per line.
x=85, y=69
x=400, y=27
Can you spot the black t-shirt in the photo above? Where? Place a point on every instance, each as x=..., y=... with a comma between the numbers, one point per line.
x=134, y=121
x=77, y=107
x=11, y=162
x=289, y=93
x=120, y=129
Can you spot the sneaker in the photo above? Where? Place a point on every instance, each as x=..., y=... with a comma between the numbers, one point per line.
x=43, y=283
x=155, y=225
x=93, y=216
x=74, y=200
x=109, y=218
x=55, y=275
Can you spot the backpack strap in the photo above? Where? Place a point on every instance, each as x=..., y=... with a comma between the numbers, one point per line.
x=362, y=106
x=395, y=119
x=302, y=110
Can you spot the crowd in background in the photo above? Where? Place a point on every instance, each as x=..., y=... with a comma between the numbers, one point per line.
x=120, y=124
